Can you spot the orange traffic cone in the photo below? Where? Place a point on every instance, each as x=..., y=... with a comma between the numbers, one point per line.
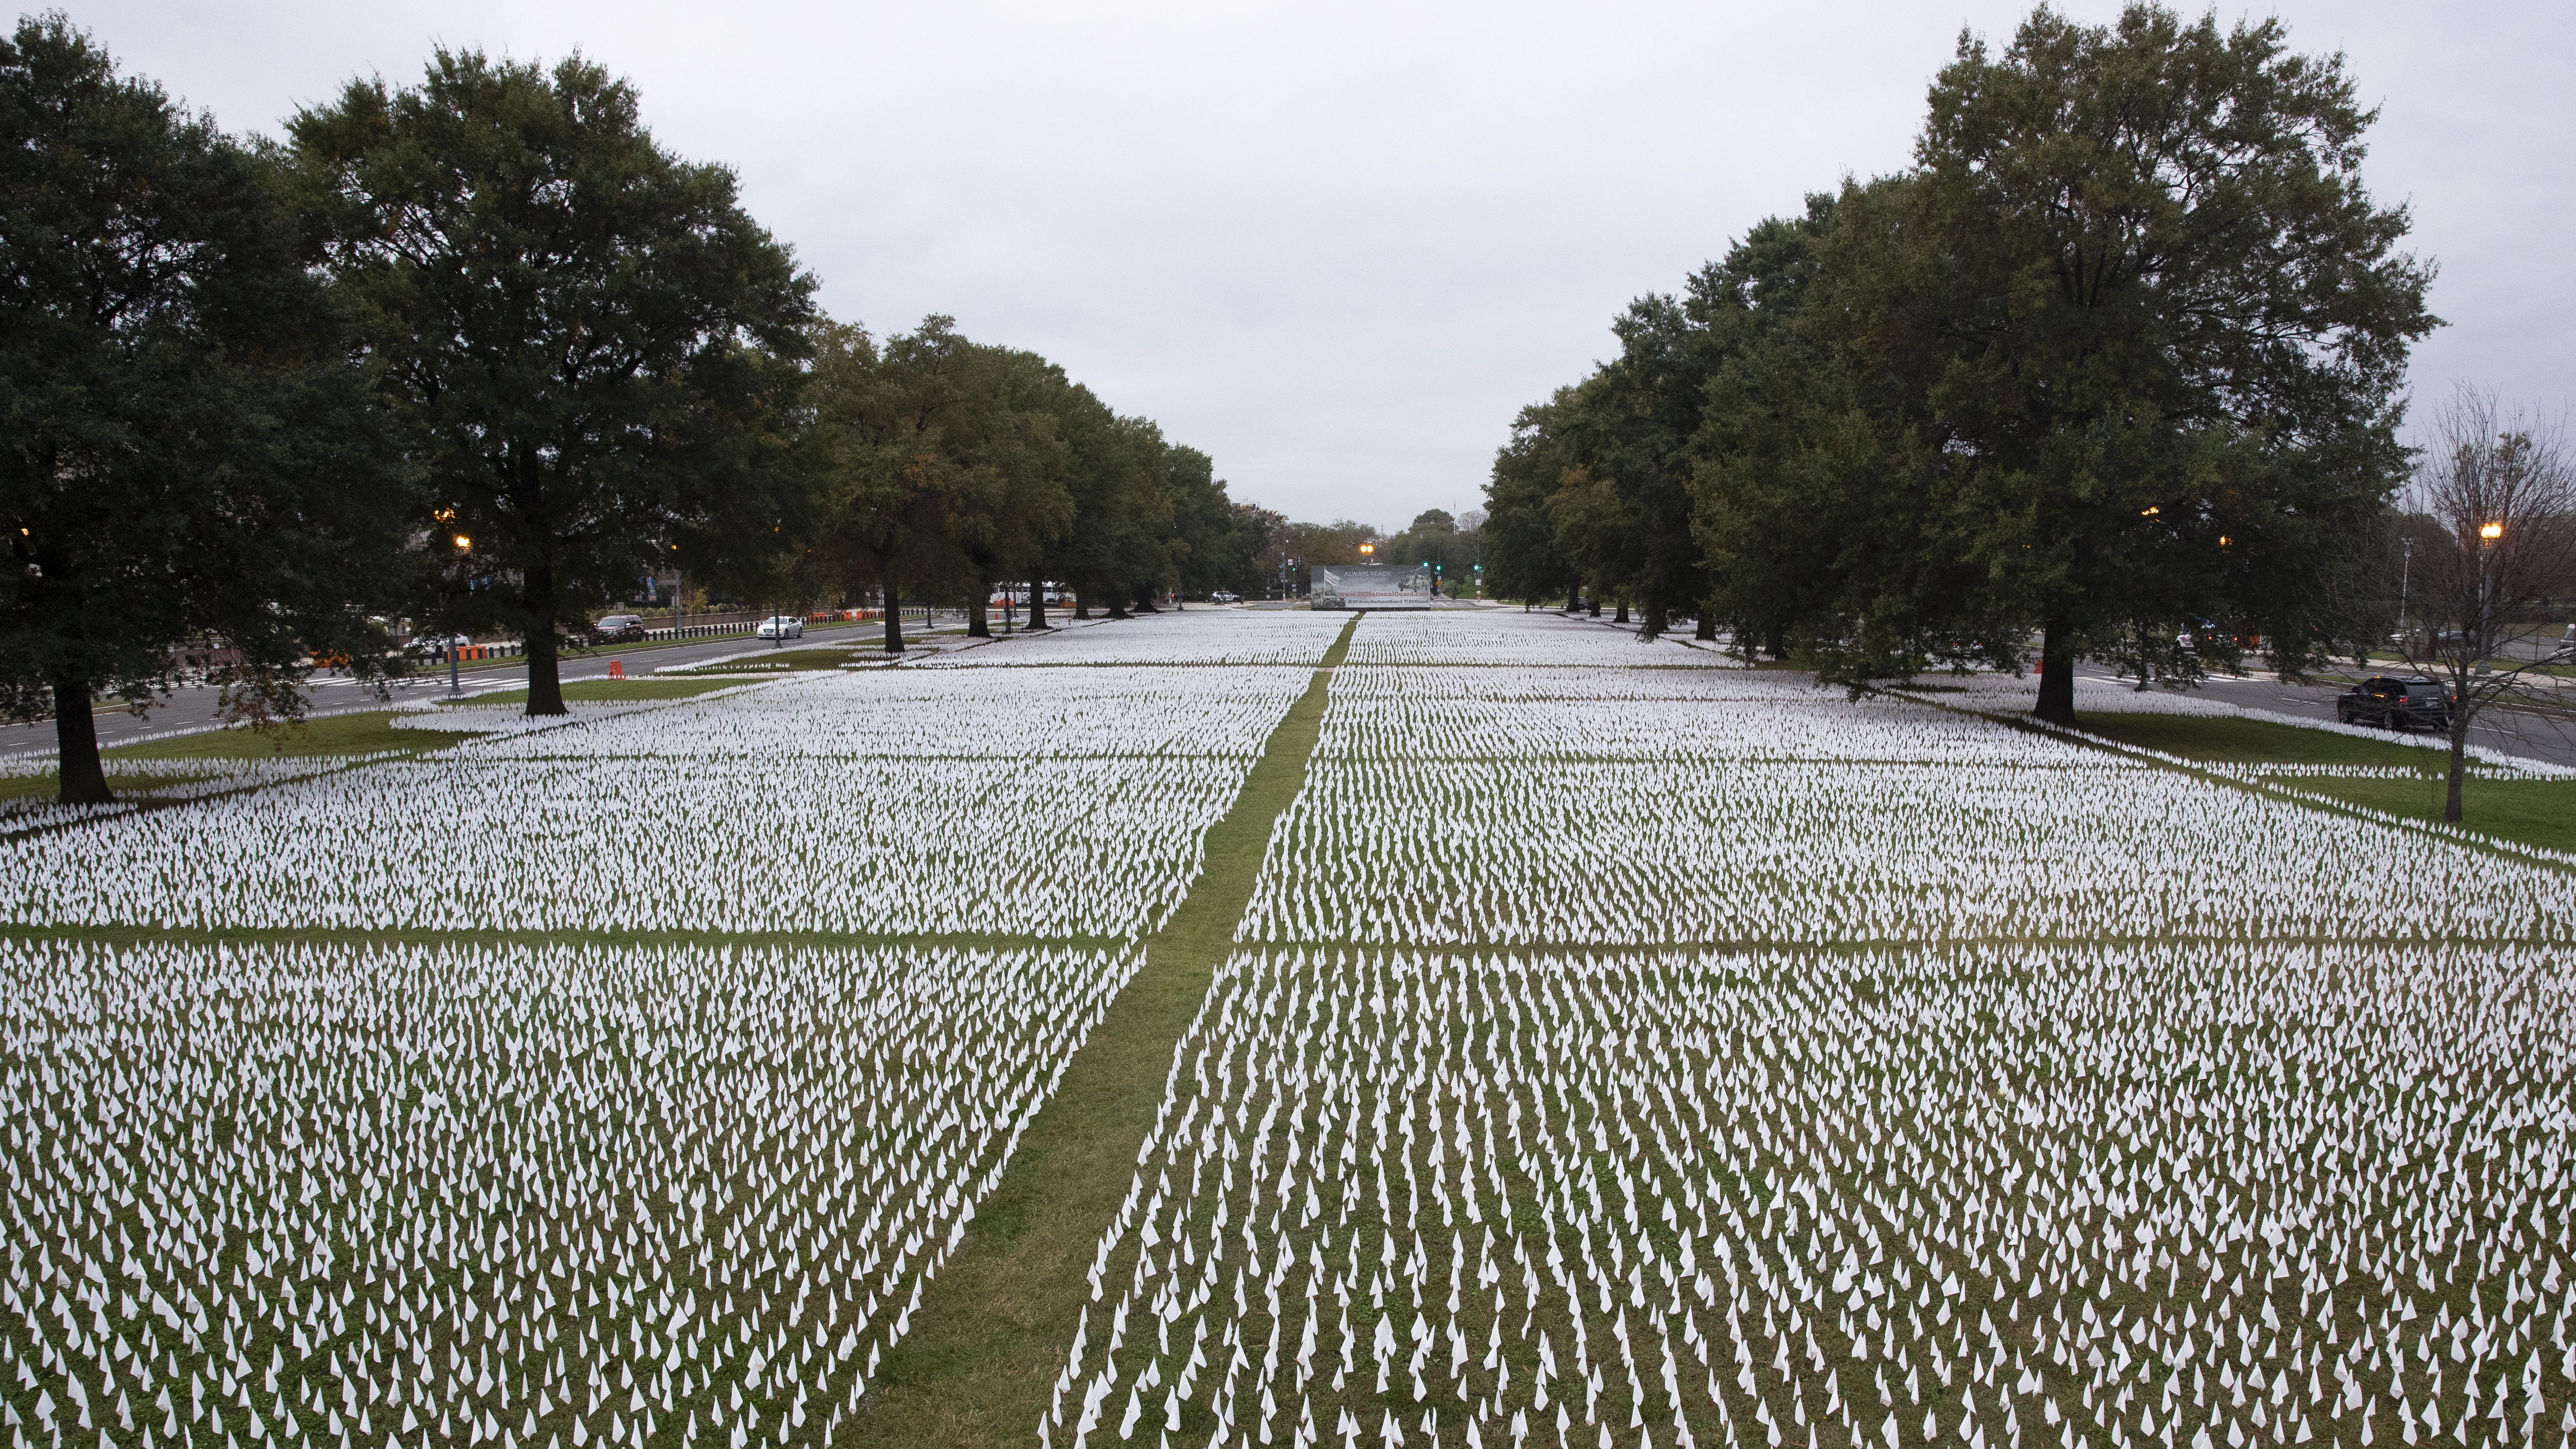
x=617, y=669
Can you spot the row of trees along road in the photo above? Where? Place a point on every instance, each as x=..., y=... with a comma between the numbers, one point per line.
x=2114, y=363
x=479, y=352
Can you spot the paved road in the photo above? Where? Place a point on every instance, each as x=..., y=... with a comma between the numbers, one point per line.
x=2512, y=733
x=194, y=708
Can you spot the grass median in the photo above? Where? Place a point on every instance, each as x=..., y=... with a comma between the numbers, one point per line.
x=2228, y=740
x=366, y=733
x=983, y=1352
x=2530, y=812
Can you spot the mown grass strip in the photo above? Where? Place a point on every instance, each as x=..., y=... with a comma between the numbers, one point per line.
x=991, y=1334
x=364, y=733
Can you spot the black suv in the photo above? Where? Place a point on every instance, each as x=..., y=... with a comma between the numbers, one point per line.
x=2396, y=702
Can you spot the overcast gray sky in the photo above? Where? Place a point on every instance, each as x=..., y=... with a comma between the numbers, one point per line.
x=1338, y=245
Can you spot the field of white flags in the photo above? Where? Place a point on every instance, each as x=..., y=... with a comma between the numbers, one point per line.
x=1620, y=1046
x=457, y=1195
x=1442, y=852
x=139, y=782
x=1680, y=714
x=883, y=803
x=1509, y=637
x=2049, y=1098
x=1182, y=637
x=979, y=714
x=2082, y=1195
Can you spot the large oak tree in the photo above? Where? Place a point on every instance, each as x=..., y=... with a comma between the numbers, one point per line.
x=571, y=320
x=2138, y=301
x=195, y=477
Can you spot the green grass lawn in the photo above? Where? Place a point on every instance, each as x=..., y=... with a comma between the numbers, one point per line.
x=2221, y=740
x=2534, y=812
x=830, y=657
x=342, y=734
x=661, y=686
x=47, y=785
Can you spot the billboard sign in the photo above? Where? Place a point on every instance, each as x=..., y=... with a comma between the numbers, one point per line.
x=1373, y=586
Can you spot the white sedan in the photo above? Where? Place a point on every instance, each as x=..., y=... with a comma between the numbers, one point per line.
x=780, y=626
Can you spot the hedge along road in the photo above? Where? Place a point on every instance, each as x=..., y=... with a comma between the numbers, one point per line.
x=989, y=1337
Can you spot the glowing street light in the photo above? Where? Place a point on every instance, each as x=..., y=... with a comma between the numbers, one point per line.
x=448, y=645
x=2491, y=531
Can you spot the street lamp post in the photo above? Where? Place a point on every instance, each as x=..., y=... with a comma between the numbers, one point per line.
x=2488, y=533
x=455, y=689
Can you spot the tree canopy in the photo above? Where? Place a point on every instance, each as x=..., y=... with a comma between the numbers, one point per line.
x=2117, y=358
x=579, y=331
x=197, y=478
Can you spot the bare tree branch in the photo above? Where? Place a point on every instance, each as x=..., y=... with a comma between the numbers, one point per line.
x=2495, y=502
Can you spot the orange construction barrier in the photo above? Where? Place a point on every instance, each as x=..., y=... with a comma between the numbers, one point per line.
x=617, y=669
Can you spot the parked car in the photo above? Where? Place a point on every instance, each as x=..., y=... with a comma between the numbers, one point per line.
x=435, y=646
x=618, y=629
x=2397, y=702
x=780, y=626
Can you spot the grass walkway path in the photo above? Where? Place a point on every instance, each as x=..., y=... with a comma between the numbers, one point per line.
x=984, y=1349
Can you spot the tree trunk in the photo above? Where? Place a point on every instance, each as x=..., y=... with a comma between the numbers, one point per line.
x=1657, y=620
x=1118, y=607
x=1622, y=616
x=2056, y=676
x=1573, y=598
x=2459, y=762
x=545, y=679
x=1081, y=603
x=893, y=619
x=1706, y=631
x=76, y=744
x=1145, y=602
x=978, y=625
x=2142, y=659
x=1596, y=606
x=1037, y=604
